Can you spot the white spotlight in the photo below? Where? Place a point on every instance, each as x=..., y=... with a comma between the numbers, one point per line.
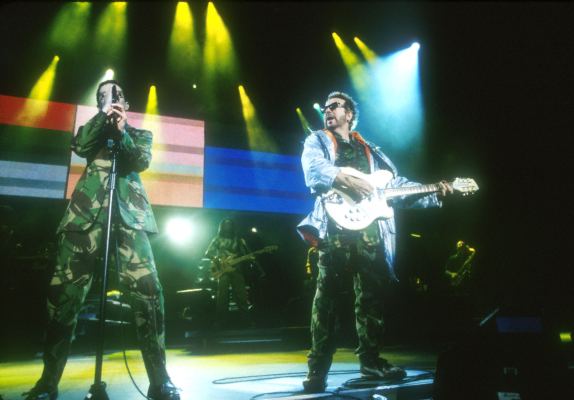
x=415, y=46
x=179, y=230
x=108, y=75
x=254, y=230
x=317, y=107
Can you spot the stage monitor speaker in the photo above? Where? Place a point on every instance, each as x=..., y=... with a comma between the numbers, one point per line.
x=507, y=357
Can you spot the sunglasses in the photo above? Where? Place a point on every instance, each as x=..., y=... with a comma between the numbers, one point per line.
x=333, y=106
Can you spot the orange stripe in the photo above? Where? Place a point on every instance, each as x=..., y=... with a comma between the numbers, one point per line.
x=58, y=116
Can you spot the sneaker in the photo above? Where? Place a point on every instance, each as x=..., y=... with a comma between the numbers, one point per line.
x=166, y=391
x=41, y=393
x=315, y=382
x=381, y=369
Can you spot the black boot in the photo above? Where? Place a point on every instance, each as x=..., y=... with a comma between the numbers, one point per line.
x=41, y=392
x=166, y=391
x=316, y=380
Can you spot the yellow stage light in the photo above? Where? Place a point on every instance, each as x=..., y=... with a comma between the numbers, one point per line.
x=36, y=105
x=183, y=53
x=304, y=123
x=356, y=69
x=258, y=139
x=369, y=54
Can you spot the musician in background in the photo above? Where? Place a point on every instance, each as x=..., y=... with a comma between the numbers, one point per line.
x=227, y=245
x=458, y=265
x=368, y=253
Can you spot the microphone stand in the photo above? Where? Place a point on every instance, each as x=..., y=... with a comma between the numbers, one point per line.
x=98, y=389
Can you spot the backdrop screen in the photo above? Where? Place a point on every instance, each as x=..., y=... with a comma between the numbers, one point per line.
x=36, y=161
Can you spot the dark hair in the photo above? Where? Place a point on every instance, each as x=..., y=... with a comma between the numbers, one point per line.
x=350, y=105
x=109, y=81
x=233, y=228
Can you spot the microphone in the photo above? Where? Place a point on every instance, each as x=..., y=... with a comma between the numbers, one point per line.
x=115, y=97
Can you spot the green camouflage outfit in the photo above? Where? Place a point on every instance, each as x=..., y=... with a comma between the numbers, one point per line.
x=345, y=252
x=80, y=250
x=224, y=247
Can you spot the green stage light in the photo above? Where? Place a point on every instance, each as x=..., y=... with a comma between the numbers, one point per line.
x=110, y=40
x=179, y=230
x=69, y=28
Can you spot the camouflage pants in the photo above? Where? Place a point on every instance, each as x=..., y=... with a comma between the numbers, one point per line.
x=79, y=254
x=237, y=282
x=355, y=254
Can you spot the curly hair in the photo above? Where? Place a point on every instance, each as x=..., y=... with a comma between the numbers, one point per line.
x=350, y=104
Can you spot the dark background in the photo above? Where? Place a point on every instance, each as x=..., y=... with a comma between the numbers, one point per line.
x=497, y=83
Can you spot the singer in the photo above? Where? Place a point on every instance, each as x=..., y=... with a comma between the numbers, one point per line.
x=80, y=240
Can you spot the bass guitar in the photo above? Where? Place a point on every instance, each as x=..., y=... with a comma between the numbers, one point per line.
x=355, y=215
x=220, y=266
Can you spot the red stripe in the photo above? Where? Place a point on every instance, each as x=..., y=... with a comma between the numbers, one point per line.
x=58, y=116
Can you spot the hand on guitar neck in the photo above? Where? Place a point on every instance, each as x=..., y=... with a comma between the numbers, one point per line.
x=358, y=188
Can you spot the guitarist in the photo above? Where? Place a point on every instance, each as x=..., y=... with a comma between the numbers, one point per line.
x=369, y=253
x=225, y=246
x=458, y=265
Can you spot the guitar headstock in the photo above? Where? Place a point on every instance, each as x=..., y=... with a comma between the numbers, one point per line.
x=465, y=186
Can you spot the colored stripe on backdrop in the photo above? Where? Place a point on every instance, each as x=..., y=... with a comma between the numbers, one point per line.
x=255, y=181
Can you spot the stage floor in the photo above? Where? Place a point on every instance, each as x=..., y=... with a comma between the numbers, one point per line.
x=231, y=376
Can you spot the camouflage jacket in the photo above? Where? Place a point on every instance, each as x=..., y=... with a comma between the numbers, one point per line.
x=90, y=195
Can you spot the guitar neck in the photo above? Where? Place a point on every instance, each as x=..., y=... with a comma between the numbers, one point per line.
x=412, y=190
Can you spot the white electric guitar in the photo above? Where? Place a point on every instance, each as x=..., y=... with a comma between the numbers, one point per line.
x=353, y=215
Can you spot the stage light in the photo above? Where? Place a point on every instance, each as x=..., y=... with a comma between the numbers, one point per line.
x=218, y=53
x=194, y=86
x=254, y=230
x=256, y=136
x=111, y=29
x=566, y=337
x=395, y=98
x=356, y=70
x=304, y=123
x=415, y=46
x=416, y=235
x=179, y=230
x=317, y=108
x=36, y=105
x=369, y=54
x=184, y=52
x=69, y=28
x=151, y=106
x=109, y=75
x=43, y=87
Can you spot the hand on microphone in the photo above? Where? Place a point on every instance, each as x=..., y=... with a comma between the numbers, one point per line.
x=117, y=116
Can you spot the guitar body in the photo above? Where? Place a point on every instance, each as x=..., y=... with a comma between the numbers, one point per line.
x=353, y=215
x=220, y=267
